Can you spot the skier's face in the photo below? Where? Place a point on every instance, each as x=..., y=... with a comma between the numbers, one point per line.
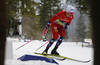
x=68, y=14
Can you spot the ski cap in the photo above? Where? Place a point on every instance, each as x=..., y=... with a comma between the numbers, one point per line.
x=70, y=9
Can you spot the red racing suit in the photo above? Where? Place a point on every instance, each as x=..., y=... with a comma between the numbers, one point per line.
x=58, y=29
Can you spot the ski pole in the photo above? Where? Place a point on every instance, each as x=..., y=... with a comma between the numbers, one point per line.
x=23, y=45
x=42, y=45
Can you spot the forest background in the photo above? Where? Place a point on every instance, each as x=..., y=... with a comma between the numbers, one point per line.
x=35, y=15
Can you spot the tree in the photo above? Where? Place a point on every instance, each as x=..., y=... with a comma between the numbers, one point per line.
x=66, y=37
x=12, y=8
x=47, y=9
x=81, y=5
x=89, y=29
x=28, y=7
x=25, y=9
x=11, y=13
x=29, y=18
x=30, y=27
x=80, y=29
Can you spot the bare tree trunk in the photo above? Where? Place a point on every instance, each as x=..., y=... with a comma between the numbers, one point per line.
x=3, y=25
x=95, y=14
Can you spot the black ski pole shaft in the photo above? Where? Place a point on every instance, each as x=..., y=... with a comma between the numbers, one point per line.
x=22, y=45
x=19, y=47
x=42, y=46
x=39, y=48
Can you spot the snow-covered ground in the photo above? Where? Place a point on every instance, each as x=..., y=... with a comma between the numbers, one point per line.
x=68, y=49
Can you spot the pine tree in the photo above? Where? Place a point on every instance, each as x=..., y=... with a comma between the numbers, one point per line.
x=28, y=7
x=89, y=29
x=47, y=9
x=66, y=37
x=81, y=5
x=80, y=29
x=29, y=19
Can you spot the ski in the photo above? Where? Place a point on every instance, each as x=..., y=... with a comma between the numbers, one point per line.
x=59, y=57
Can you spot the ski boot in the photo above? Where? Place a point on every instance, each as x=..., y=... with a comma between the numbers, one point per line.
x=45, y=51
x=54, y=52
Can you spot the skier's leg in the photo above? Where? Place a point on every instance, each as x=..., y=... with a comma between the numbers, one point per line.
x=54, y=51
x=61, y=31
x=55, y=37
x=59, y=41
x=48, y=46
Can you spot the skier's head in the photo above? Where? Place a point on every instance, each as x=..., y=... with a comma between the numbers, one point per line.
x=70, y=9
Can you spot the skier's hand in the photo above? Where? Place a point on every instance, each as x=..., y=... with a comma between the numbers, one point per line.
x=45, y=31
x=66, y=26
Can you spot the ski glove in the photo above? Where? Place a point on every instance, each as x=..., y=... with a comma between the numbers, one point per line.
x=66, y=26
x=46, y=29
x=44, y=32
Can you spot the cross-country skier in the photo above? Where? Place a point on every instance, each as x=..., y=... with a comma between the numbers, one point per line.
x=57, y=27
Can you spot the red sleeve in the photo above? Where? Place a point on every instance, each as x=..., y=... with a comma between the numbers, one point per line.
x=56, y=16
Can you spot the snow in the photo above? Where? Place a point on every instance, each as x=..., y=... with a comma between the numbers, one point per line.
x=68, y=49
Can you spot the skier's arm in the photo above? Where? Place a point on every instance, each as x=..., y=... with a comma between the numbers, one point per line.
x=56, y=17
x=68, y=23
x=46, y=29
x=49, y=23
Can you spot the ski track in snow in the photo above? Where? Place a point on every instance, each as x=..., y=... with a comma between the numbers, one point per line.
x=68, y=49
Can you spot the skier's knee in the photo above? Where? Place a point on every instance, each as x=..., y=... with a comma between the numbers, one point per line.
x=52, y=40
x=61, y=39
